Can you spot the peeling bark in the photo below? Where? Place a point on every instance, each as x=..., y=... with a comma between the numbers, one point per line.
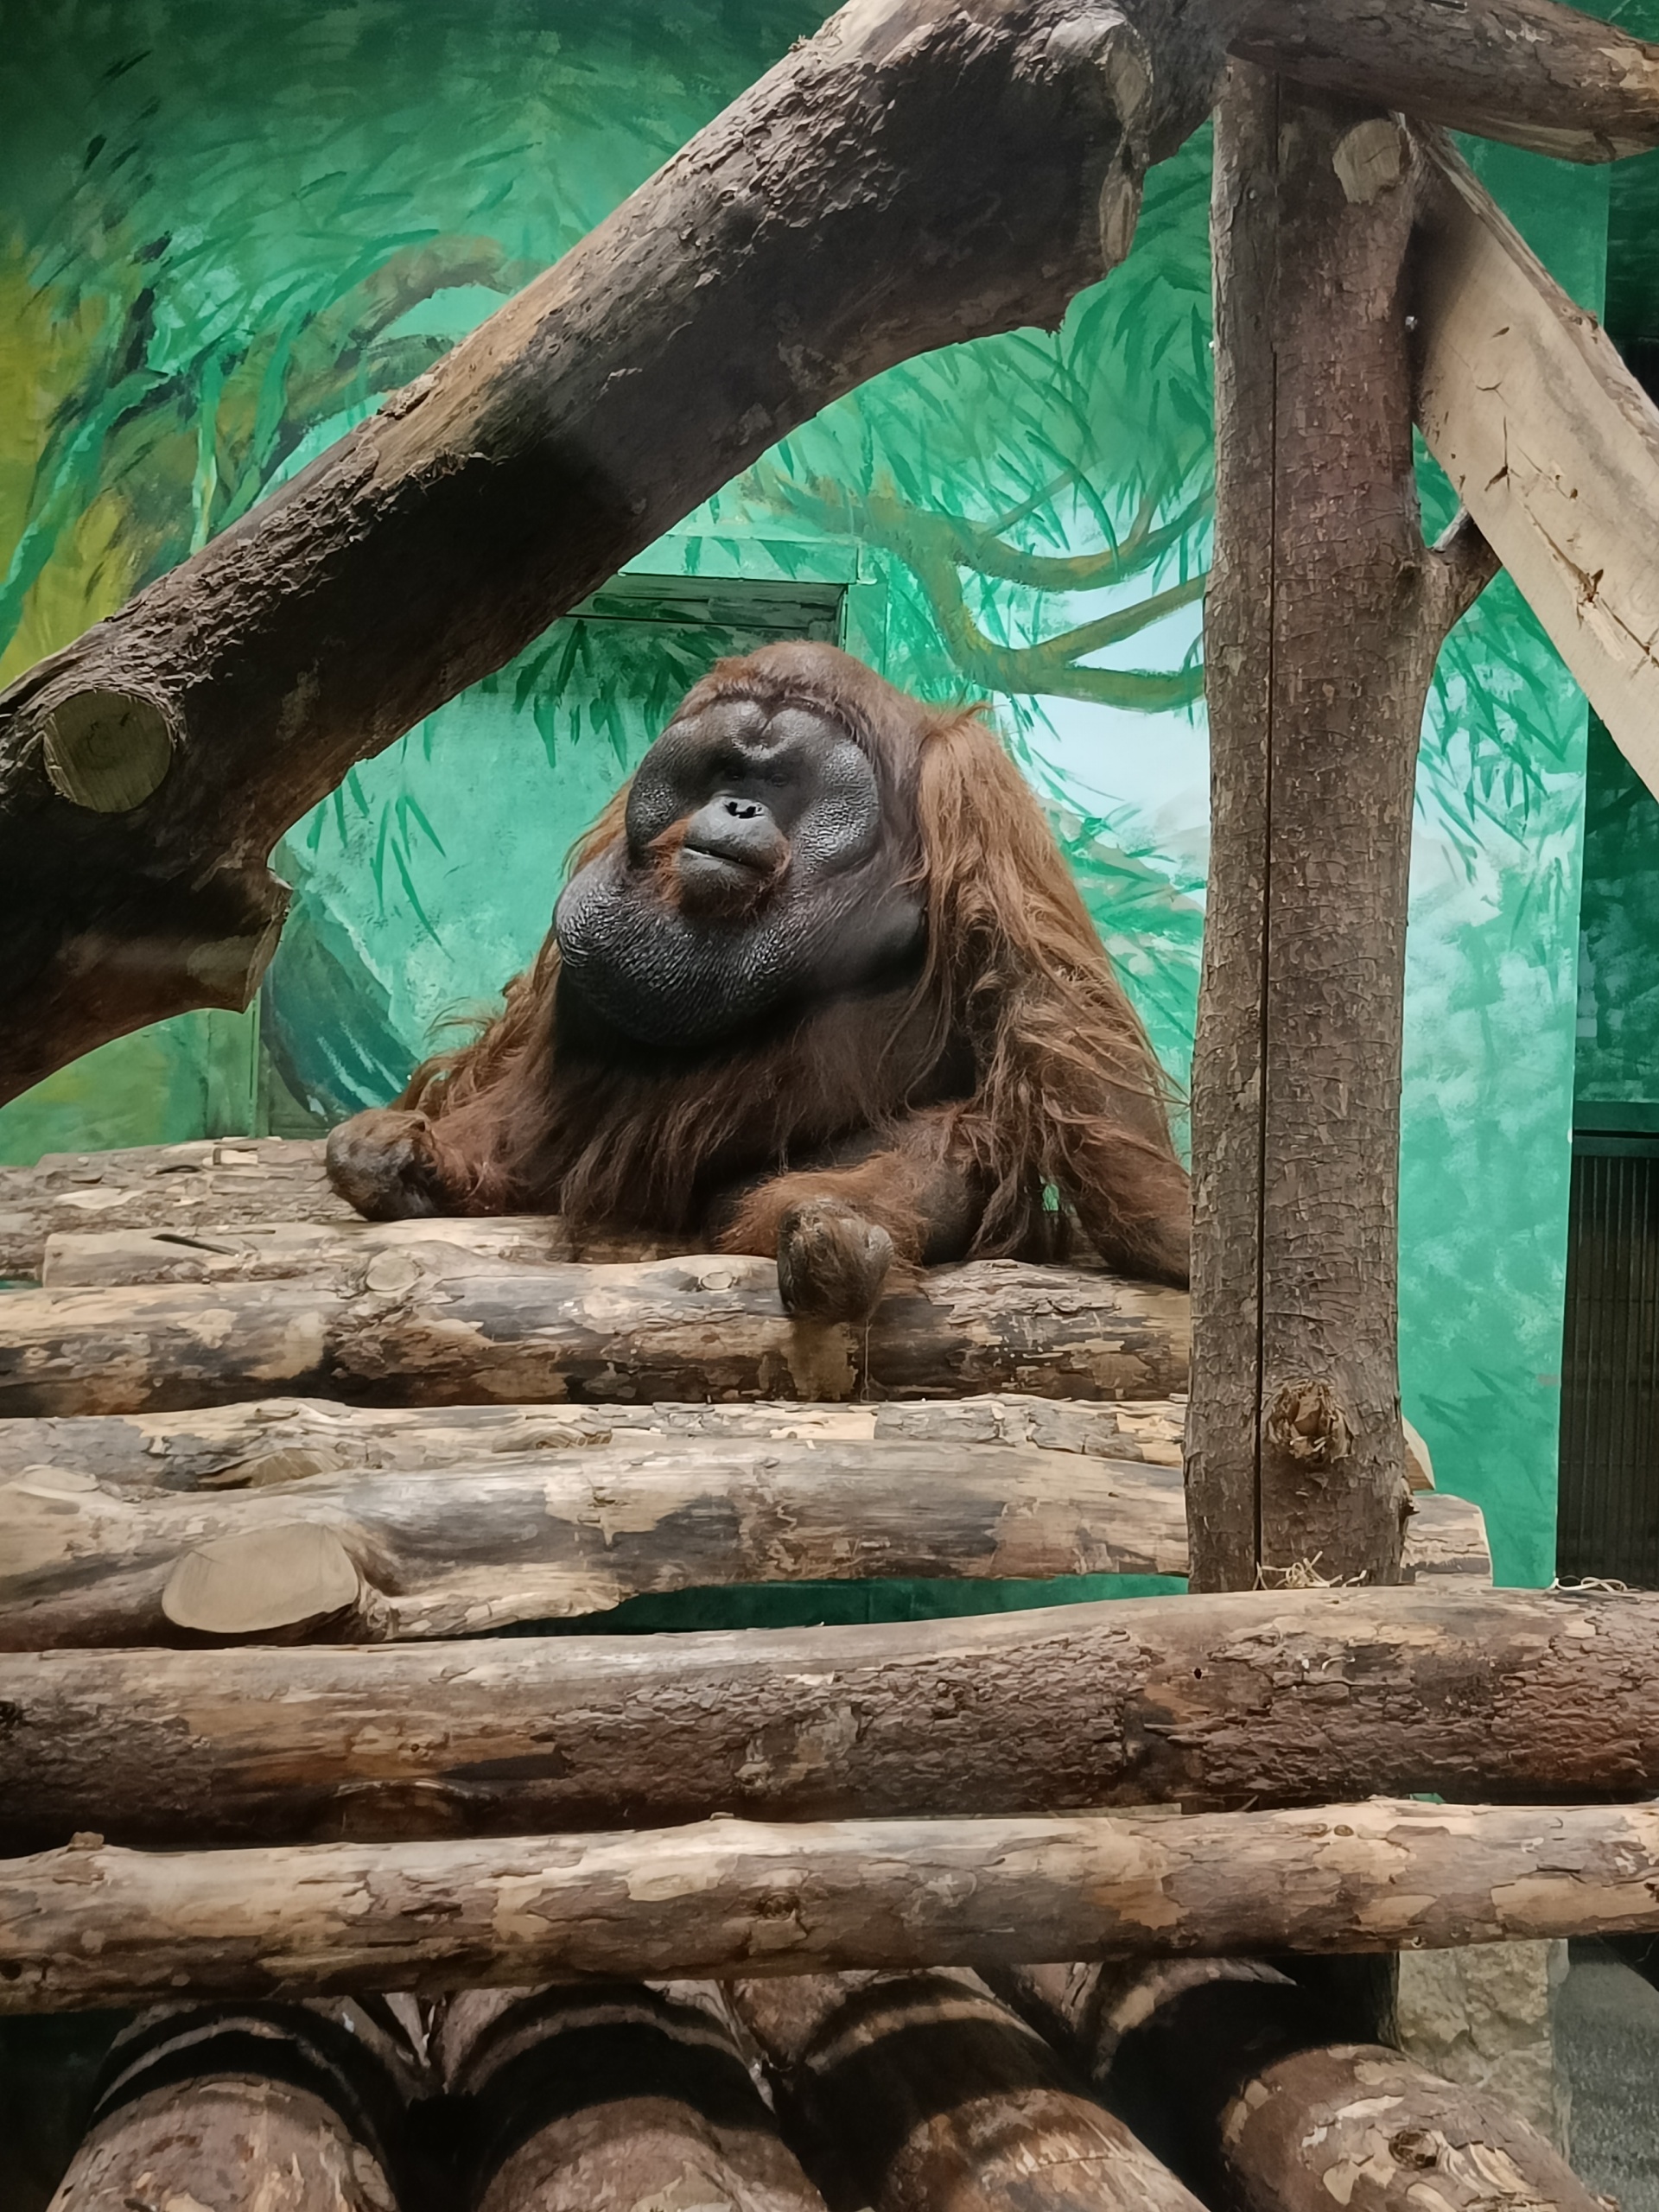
x=628, y=2100
x=284, y=1439
x=420, y=1323
x=1294, y=1697
x=94, y=1925
x=387, y=1557
x=1228, y=2069
x=296, y=2108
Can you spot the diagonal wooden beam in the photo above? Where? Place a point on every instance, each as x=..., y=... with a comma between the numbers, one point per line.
x=919, y=173
x=1552, y=444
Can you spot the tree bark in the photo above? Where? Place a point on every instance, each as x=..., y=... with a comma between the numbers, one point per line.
x=1297, y=1697
x=614, y=2100
x=1228, y=2067
x=1550, y=440
x=1325, y=613
x=425, y=1325
x=296, y=2107
x=922, y=2092
x=198, y=1189
x=253, y=1447
x=236, y=1210
x=1530, y=71
x=1373, y=2122
x=958, y=168
x=91, y=1925
x=325, y=1254
x=387, y=1557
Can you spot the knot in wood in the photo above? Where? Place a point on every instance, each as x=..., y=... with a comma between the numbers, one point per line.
x=1414, y=2146
x=1307, y=1423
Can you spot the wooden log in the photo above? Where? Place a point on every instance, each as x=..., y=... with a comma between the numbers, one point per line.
x=1229, y=2069
x=321, y=1254
x=1325, y=613
x=959, y=170
x=1280, y=1698
x=242, y=1208
x=613, y=2101
x=1373, y=2123
x=92, y=1924
x=181, y=1190
x=295, y=2107
x=388, y=1556
x=1530, y=71
x=1551, y=442
x=922, y=2090
x=425, y=1326
x=283, y=1439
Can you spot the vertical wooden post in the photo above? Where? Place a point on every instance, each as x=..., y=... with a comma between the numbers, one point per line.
x=1325, y=613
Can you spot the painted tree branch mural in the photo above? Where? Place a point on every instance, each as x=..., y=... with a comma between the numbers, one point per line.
x=940, y=548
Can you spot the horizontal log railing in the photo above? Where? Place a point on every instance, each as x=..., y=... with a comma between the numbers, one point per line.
x=1259, y=1698
x=265, y=1440
x=92, y=1925
x=386, y=1556
x=423, y=1325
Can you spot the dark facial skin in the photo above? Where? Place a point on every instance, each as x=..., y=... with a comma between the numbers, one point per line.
x=758, y=872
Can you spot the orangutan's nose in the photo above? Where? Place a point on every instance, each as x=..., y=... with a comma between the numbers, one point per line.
x=739, y=830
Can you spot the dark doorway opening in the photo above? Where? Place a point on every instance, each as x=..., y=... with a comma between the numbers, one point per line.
x=1608, y=1524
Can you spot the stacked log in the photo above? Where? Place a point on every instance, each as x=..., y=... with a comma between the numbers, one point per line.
x=202, y=1188
x=567, y=1430
x=305, y=2099
x=249, y=1445
x=918, y=2091
x=1281, y=1698
x=92, y=1924
x=613, y=2100
x=439, y=1552
x=422, y=1322
x=1230, y=2069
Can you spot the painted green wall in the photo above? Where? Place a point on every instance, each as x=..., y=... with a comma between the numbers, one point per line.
x=228, y=235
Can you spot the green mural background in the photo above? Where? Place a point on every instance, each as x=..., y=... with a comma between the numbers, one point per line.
x=225, y=238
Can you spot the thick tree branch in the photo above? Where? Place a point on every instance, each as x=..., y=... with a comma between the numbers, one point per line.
x=1530, y=71
x=959, y=169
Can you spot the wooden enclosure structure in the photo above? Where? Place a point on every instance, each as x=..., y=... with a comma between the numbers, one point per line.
x=263, y=1466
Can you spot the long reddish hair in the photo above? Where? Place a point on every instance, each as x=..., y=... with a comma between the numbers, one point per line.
x=1016, y=1006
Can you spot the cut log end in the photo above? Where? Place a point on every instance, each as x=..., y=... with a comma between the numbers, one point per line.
x=292, y=1577
x=107, y=751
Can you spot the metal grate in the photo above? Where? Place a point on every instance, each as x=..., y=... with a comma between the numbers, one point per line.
x=1609, y=1511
